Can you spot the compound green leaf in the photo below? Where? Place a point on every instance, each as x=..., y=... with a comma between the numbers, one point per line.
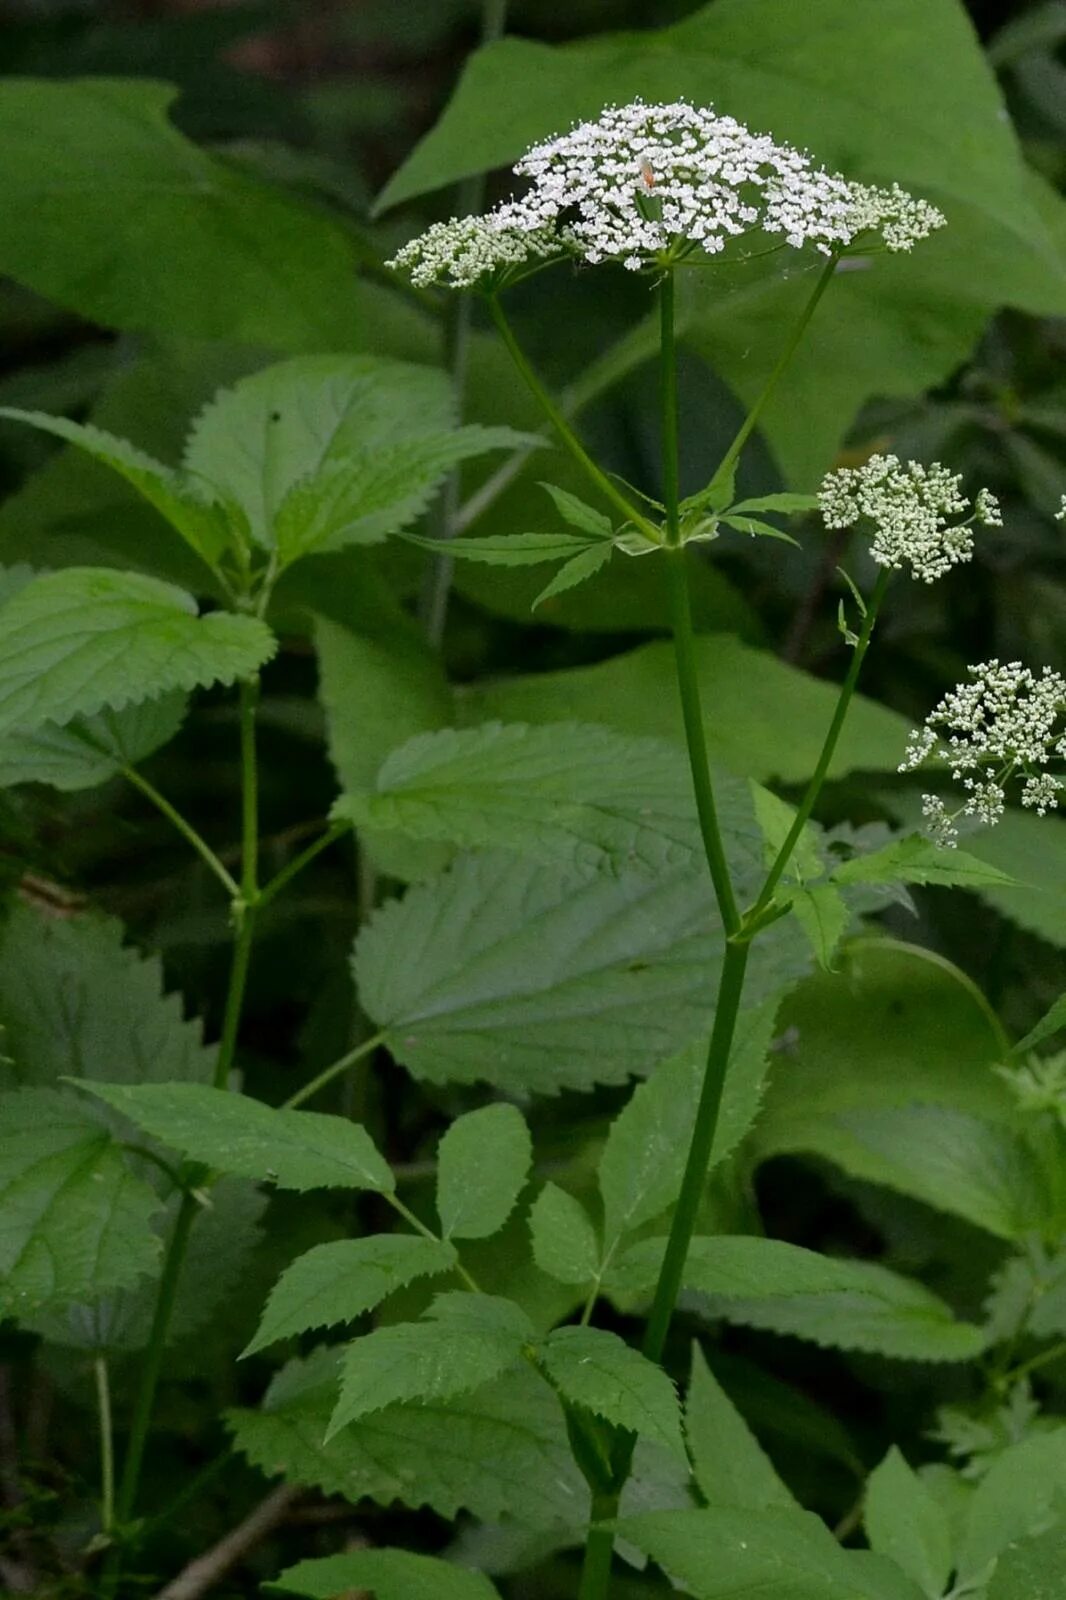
x=644, y=1157
x=236, y=1134
x=510, y=550
x=729, y=1464
x=764, y=719
x=500, y=1452
x=76, y=1222
x=482, y=1165
x=76, y=1001
x=824, y=915
x=563, y=1237
x=853, y=1305
x=597, y=1370
x=578, y=795
x=201, y=521
x=89, y=750
x=536, y=979
x=918, y=860
x=577, y=570
x=905, y=1522
x=77, y=641
x=216, y=254
x=466, y=1340
x=337, y=1282
x=385, y=1574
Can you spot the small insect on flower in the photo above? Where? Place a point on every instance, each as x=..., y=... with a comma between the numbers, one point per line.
x=1005, y=726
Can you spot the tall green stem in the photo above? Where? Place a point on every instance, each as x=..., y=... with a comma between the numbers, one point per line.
x=107, y=1451
x=244, y=907
x=186, y=829
x=552, y=411
x=814, y=787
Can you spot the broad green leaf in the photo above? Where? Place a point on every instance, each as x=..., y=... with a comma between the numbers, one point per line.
x=76, y=1222
x=1053, y=1021
x=465, y=1340
x=775, y=818
x=764, y=719
x=75, y=1000
x=215, y=254
x=483, y=1162
x=644, y=1157
x=535, y=979
x=824, y=915
x=386, y=1574
x=577, y=795
x=233, y=1132
x=89, y=750
x=1032, y=1569
x=917, y=860
x=949, y=1159
x=905, y=1522
x=375, y=491
x=853, y=1305
x=921, y=1029
x=1018, y=1496
x=500, y=1452
x=184, y=502
x=563, y=1237
x=511, y=550
x=75, y=642
x=597, y=1370
x=577, y=570
x=577, y=513
x=337, y=1282
x=333, y=449
x=729, y=1464
x=726, y=1553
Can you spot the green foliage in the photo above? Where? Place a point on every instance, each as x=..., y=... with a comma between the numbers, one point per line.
x=89, y=750
x=1032, y=1568
x=596, y=1370
x=905, y=1522
x=76, y=1220
x=216, y=254
x=294, y=1149
x=562, y=1236
x=389, y=1575
x=482, y=1166
x=465, y=1340
x=337, y=1282
x=78, y=641
x=728, y=1462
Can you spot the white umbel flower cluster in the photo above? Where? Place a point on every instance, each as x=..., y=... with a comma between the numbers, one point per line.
x=1060, y=515
x=642, y=181
x=1006, y=723
x=911, y=508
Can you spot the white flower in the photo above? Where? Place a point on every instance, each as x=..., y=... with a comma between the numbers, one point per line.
x=643, y=180
x=1060, y=515
x=1006, y=723
x=911, y=508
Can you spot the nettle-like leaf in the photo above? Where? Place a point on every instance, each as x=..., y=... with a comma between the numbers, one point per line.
x=644, y=1157
x=917, y=860
x=89, y=750
x=186, y=502
x=824, y=915
x=388, y=1574
x=76, y=1222
x=326, y=451
x=564, y=1240
x=597, y=1370
x=509, y=550
x=499, y=1452
x=729, y=1464
x=906, y=1522
x=77, y=641
x=959, y=1163
x=337, y=1282
x=236, y=1134
x=465, y=1340
x=482, y=1164
x=76, y=1000
x=568, y=793
x=723, y=1552
x=853, y=1305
